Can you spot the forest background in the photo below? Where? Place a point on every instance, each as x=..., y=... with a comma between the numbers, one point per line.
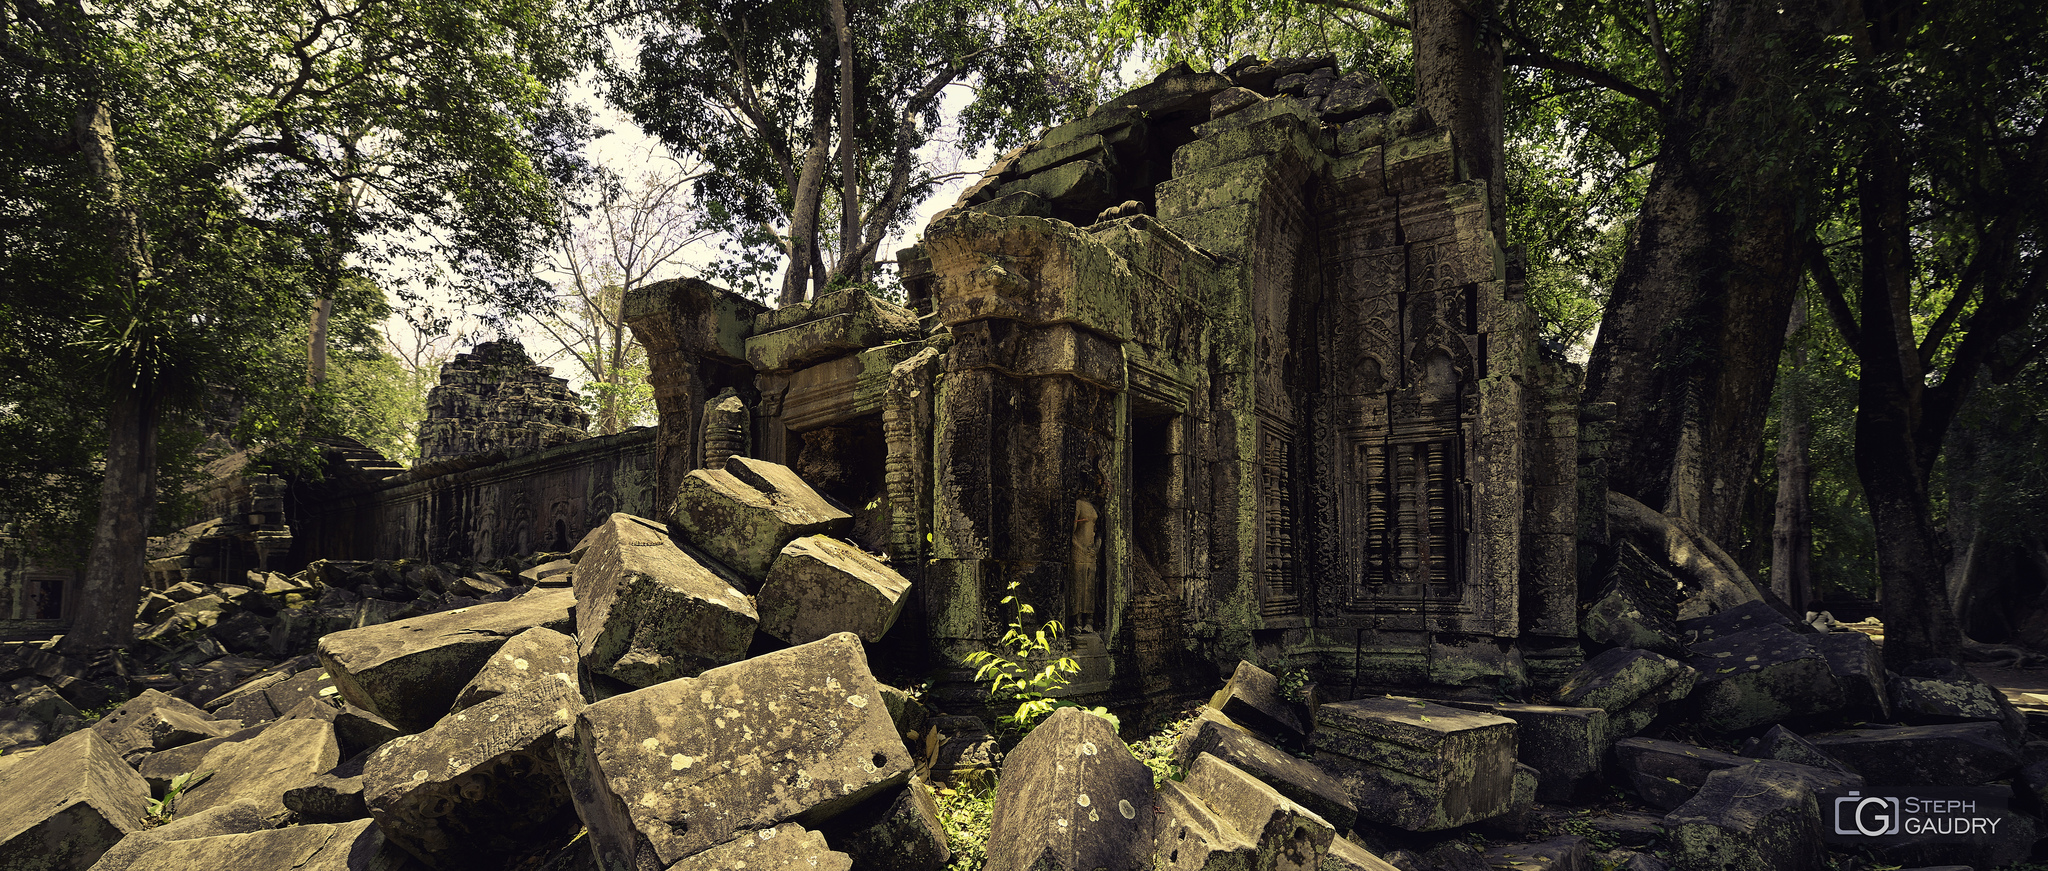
x=1798, y=244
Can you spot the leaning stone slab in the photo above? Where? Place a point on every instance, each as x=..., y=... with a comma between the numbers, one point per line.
x=743, y=515
x=1315, y=789
x=1284, y=835
x=1629, y=685
x=1666, y=774
x=239, y=818
x=1761, y=676
x=483, y=787
x=1786, y=745
x=535, y=656
x=668, y=771
x=1419, y=766
x=787, y=847
x=409, y=671
x=1252, y=699
x=648, y=612
x=1940, y=691
x=1193, y=837
x=1958, y=754
x=356, y=846
x=1072, y=796
x=1733, y=621
x=289, y=754
x=1345, y=855
x=126, y=729
x=1761, y=815
x=897, y=830
x=67, y=804
x=820, y=585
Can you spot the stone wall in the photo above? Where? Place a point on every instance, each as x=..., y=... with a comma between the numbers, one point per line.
x=1234, y=367
x=541, y=501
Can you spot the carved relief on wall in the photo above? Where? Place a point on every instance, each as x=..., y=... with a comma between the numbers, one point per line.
x=1402, y=519
x=1365, y=333
x=1279, y=576
x=1087, y=592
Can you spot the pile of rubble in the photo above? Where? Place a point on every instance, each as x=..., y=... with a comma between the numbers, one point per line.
x=698, y=696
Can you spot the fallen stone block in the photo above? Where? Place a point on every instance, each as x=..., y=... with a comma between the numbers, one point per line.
x=481, y=788
x=743, y=515
x=819, y=585
x=787, y=847
x=898, y=830
x=1252, y=699
x=648, y=612
x=288, y=754
x=329, y=799
x=1858, y=667
x=1637, y=606
x=1939, y=691
x=1071, y=795
x=1761, y=676
x=158, y=768
x=359, y=730
x=1958, y=754
x=356, y=846
x=410, y=671
x=1419, y=766
x=668, y=771
x=1564, y=745
x=169, y=727
x=1734, y=620
x=534, y=656
x=1786, y=745
x=1630, y=685
x=1666, y=774
x=68, y=803
x=1761, y=815
x=1514, y=823
x=1567, y=853
x=1284, y=835
x=1299, y=780
x=19, y=730
x=1193, y=838
x=229, y=819
x=126, y=729
x=1347, y=856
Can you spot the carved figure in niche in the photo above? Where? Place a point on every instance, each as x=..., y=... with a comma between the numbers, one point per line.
x=1087, y=576
x=725, y=428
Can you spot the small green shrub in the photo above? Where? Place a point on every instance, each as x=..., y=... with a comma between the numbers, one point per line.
x=1010, y=678
x=965, y=814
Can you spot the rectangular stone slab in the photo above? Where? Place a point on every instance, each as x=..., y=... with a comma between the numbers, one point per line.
x=649, y=612
x=409, y=671
x=668, y=771
x=1416, y=765
x=66, y=804
x=743, y=515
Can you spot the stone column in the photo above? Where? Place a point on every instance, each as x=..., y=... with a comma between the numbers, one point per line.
x=695, y=334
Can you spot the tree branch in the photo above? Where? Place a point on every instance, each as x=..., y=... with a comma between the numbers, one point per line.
x=1387, y=17
x=1596, y=75
x=1830, y=288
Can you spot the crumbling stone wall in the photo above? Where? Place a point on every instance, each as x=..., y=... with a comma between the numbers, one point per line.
x=1233, y=367
x=495, y=398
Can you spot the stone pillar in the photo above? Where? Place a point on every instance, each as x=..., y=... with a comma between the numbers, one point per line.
x=695, y=334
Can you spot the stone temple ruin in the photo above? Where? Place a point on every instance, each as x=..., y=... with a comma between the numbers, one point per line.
x=1230, y=372
x=1281, y=401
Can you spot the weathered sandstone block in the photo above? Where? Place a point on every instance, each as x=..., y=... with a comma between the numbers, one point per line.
x=648, y=612
x=1417, y=765
x=1072, y=796
x=743, y=515
x=820, y=585
x=410, y=671
x=670, y=770
x=64, y=806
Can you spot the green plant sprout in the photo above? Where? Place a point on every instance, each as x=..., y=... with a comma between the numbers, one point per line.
x=1009, y=676
x=162, y=810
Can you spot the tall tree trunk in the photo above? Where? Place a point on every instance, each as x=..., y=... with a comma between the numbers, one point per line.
x=104, y=612
x=114, y=569
x=316, y=344
x=804, y=258
x=1689, y=346
x=1459, y=67
x=1792, y=530
x=1893, y=465
x=849, y=150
